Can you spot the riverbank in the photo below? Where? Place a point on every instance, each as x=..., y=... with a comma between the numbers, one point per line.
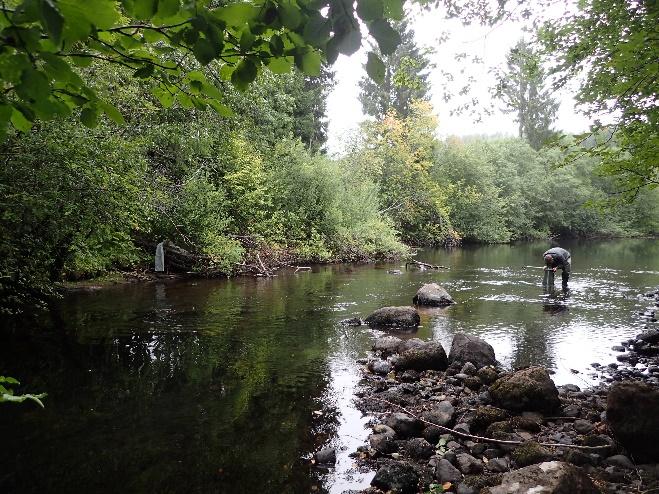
x=462, y=423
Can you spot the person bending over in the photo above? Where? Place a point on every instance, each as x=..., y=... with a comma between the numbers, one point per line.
x=559, y=258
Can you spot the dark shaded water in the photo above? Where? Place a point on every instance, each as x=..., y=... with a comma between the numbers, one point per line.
x=223, y=386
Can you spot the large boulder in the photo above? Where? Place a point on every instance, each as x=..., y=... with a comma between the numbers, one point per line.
x=632, y=413
x=404, y=425
x=397, y=478
x=428, y=356
x=394, y=317
x=433, y=295
x=387, y=345
x=552, y=477
x=467, y=348
x=528, y=389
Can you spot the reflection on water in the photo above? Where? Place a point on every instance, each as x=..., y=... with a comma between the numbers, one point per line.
x=229, y=386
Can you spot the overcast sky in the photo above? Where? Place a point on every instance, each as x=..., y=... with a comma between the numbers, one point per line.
x=491, y=44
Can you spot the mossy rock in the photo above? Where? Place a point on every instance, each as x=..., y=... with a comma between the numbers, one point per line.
x=530, y=453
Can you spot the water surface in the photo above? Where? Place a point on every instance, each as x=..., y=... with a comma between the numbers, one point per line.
x=229, y=385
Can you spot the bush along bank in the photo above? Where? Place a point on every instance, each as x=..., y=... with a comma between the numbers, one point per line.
x=461, y=423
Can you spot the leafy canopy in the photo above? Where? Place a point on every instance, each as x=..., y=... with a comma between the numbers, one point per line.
x=185, y=47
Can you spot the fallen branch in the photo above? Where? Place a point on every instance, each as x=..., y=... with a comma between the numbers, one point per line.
x=302, y=268
x=424, y=265
x=485, y=439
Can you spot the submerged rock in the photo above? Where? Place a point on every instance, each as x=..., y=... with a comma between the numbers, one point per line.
x=554, y=477
x=467, y=348
x=433, y=295
x=394, y=317
x=632, y=412
x=527, y=389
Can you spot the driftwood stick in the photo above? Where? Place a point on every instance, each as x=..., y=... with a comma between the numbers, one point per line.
x=485, y=439
x=414, y=262
x=265, y=271
x=302, y=268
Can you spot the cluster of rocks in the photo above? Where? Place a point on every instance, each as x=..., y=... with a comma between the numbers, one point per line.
x=461, y=423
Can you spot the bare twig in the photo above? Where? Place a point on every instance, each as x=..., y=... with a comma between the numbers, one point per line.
x=485, y=439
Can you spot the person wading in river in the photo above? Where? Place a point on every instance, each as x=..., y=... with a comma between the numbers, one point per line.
x=558, y=258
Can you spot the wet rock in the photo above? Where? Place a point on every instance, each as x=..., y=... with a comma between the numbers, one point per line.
x=527, y=389
x=326, y=456
x=486, y=415
x=620, y=461
x=381, y=367
x=440, y=414
x=394, y=317
x=462, y=427
x=492, y=453
x=468, y=464
x=420, y=449
x=432, y=295
x=398, y=477
x=498, y=465
x=382, y=443
x=583, y=426
x=530, y=453
x=428, y=356
x=487, y=374
x=525, y=423
x=404, y=425
x=651, y=337
x=353, y=321
x=445, y=472
x=552, y=477
x=465, y=489
x=577, y=457
x=467, y=348
x=469, y=369
x=383, y=429
x=409, y=376
x=387, y=345
x=618, y=348
x=432, y=434
x=632, y=412
x=473, y=383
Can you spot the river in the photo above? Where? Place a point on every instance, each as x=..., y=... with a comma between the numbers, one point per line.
x=230, y=385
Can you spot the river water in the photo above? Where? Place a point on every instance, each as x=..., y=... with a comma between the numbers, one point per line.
x=230, y=385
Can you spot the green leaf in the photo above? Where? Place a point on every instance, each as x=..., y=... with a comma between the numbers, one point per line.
x=204, y=51
x=244, y=74
x=211, y=91
x=144, y=9
x=393, y=9
x=221, y=109
x=19, y=121
x=58, y=69
x=165, y=97
x=246, y=40
x=309, y=62
x=34, y=85
x=5, y=115
x=52, y=19
x=6, y=379
x=317, y=31
x=281, y=65
x=236, y=14
x=387, y=37
x=276, y=45
x=349, y=42
x=144, y=72
x=370, y=10
x=375, y=68
x=89, y=116
x=79, y=17
x=168, y=8
x=112, y=113
x=290, y=15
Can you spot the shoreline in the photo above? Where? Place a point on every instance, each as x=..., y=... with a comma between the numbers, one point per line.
x=446, y=428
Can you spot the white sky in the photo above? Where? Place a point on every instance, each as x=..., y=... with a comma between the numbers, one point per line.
x=489, y=43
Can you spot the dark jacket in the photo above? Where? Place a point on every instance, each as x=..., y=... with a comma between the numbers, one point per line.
x=561, y=257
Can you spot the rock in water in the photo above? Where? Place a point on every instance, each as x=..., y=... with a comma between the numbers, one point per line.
x=632, y=412
x=467, y=348
x=428, y=356
x=433, y=295
x=394, y=317
x=399, y=478
x=529, y=389
x=326, y=456
x=387, y=345
x=553, y=477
